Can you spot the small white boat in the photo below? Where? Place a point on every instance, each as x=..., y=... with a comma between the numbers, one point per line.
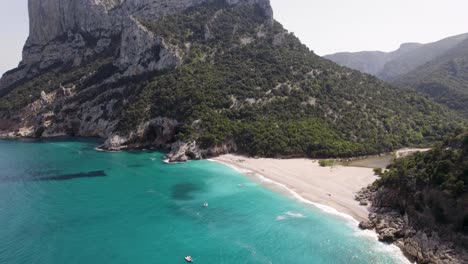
x=205, y=204
x=188, y=259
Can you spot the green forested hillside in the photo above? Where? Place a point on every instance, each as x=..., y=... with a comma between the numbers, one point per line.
x=438, y=70
x=244, y=78
x=444, y=79
x=275, y=97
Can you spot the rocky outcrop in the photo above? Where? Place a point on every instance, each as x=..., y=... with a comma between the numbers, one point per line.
x=141, y=51
x=418, y=241
x=156, y=133
x=184, y=151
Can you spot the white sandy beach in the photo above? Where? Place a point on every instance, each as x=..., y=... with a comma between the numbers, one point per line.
x=334, y=187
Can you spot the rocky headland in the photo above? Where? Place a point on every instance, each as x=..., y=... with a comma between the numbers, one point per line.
x=420, y=204
x=71, y=34
x=419, y=244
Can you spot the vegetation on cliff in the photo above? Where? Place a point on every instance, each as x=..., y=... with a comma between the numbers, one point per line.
x=252, y=81
x=244, y=78
x=432, y=187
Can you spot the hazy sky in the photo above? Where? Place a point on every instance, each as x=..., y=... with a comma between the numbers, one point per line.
x=326, y=26
x=14, y=28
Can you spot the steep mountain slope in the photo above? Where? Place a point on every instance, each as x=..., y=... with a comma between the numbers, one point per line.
x=444, y=79
x=200, y=78
x=391, y=65
x=422, y=202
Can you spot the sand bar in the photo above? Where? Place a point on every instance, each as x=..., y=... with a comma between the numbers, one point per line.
x=331, y=186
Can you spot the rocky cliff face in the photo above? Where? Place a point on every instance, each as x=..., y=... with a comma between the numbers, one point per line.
x=75, y=31
x=74, y=34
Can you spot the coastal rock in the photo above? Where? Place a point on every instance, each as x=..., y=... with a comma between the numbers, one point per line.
x=387, y=234
x=114, y=143
x=183, y=151
x=420, y=245
x=366, y=225
x=153, y=133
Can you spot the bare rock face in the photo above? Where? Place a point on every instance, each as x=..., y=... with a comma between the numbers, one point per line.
x=72, y=31
x=264, y=5
x=114, y=143
x=153, y=133
x=183, y=151
x=142, y=51
x=52, y=18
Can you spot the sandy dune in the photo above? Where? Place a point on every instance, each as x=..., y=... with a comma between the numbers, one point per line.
x=334, y=187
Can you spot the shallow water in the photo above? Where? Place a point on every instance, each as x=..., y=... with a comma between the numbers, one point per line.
x=64, y=202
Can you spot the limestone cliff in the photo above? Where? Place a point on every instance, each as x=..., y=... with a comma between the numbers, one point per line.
x=199, y=78
x=74, y=33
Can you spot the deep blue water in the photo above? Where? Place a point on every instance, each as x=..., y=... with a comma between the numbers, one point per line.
x=64, y=202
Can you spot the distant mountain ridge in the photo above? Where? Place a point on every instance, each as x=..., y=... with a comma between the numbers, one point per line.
x=445, y=79
x=390, y=65
x=438, y=69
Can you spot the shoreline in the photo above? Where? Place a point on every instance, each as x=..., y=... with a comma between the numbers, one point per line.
x=332, y=190
x=269, y=183
x=347, y=213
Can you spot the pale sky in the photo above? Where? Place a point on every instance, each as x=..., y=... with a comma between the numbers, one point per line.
x=326, y=26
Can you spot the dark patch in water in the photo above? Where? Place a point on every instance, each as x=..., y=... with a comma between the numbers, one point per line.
x=184, y=191
x=63, y=177
x=135, y=166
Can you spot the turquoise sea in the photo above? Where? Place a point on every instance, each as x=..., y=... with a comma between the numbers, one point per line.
x=61, y=201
